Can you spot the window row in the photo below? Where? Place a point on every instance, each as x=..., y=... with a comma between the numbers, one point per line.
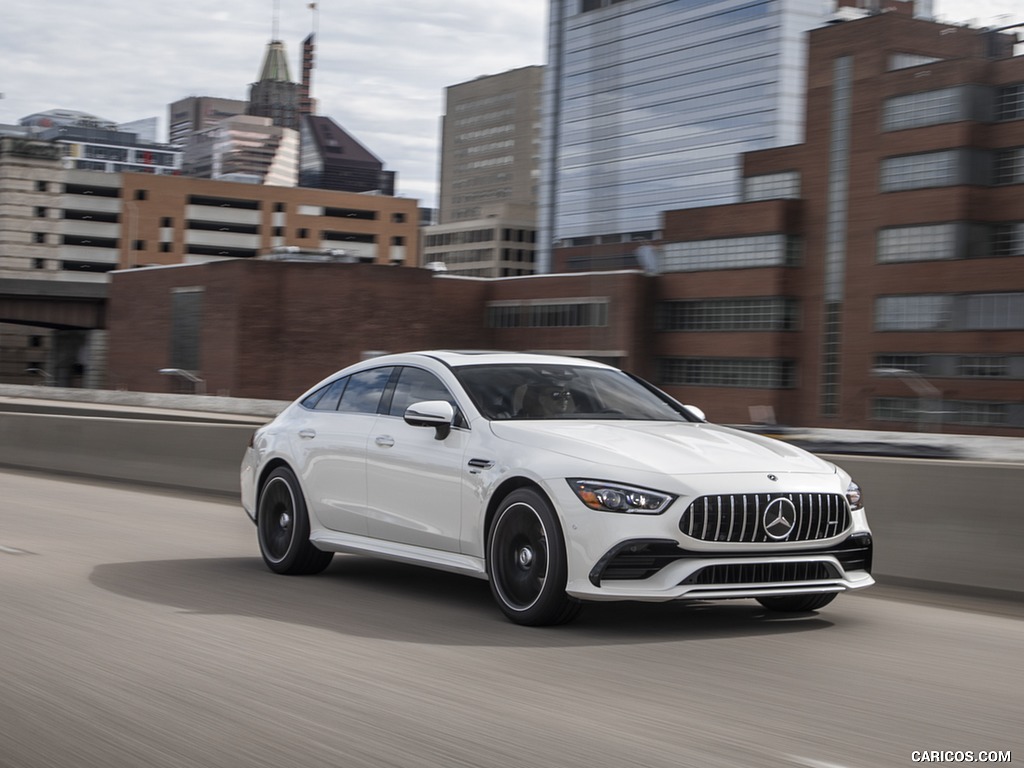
x=731, y=253
x=751, y=373
x=950, y=312
x=975, y=413
x=460, y=238
x=755, y=314
x=592, y=313
x=772, y=186
x=951, y=240
x=947, y=366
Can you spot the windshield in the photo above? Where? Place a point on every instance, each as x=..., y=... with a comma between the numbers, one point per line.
x=507, y=392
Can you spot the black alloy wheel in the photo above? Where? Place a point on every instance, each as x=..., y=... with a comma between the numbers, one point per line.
x=526, y=561
x=282, y=524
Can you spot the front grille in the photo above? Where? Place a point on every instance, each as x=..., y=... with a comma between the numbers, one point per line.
x=766, y=517
x=762, y=573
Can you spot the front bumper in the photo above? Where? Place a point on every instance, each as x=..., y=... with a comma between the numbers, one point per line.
x=662, y=570
x=651, y=558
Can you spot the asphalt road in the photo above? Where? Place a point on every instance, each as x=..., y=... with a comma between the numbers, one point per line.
x=140, y=629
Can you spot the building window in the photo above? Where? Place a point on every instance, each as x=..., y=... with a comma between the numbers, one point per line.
x=139, y=245
x=397, y=218
x=141, y=194
x=916, y=363
x=278, y=207
x=165, y=247
x=1010, y=102
x=914, y=110
x=166, y=221
x=39, y=237
x=950, y=312
x=38, y=264
x=756, y=314
x=1007, y=239
x=982, y=366
x=918, y=243
x=278, y=231
x=186, y=327
x=302, y=233
x=1008, y=166
x=42, y=186
x=751, y=373
x=40, y=212
x=913, y=313
x=992, y=311
x=908, y=60
x=731, y=253
x=929, y=169
x=398, y=241
x=563, y=313
x=975, y=413
x=772, y=186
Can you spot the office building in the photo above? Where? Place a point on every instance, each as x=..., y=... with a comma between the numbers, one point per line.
x=246, y=149
x=92, y=143
x=490, y=153
x=197, y=113
x=649, y=104
x=334, y=159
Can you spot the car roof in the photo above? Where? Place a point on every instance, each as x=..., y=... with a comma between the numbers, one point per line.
x=462, y=358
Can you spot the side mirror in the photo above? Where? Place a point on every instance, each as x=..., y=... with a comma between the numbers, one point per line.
x=694, y=412
x=438, y=414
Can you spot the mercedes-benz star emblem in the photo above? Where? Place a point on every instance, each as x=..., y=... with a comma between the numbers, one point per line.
x=779, y=518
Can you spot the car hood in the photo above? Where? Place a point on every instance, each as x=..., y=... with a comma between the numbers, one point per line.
x=672, y=448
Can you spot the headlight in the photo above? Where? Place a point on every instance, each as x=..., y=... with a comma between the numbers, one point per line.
x=612, y=497
x=854, y=496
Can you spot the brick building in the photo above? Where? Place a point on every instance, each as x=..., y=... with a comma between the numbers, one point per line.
x=268, y=329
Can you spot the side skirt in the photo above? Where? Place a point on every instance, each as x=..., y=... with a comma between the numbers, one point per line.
x=333, y=541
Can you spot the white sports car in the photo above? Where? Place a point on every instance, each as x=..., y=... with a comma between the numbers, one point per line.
x=557, y=479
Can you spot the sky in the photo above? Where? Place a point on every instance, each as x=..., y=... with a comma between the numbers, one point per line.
x=381, y=65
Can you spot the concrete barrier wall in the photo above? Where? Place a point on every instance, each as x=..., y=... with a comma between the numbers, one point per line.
x=956, y=523
x=189, y=455
x=953, y=523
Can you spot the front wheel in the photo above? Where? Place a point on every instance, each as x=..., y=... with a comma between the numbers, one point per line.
x=797, y=603
x=526, y=561
x=283, y=527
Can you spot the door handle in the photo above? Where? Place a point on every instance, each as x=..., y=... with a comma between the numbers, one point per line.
x=307, y=434
x=384, y=441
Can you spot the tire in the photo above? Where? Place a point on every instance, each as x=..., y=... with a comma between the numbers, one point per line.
x=526, y=562
x=797, y=603
x=282, y=525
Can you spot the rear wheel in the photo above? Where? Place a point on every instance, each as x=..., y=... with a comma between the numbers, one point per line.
x=526, y=561
x=283, y=527
x=797, y=603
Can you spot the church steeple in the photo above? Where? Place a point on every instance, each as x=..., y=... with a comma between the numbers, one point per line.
x=275, y=64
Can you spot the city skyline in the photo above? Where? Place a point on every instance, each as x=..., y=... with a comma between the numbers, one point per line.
x=381, y=69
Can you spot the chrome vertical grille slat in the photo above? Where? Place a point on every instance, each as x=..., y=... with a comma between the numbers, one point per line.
x=739, y=518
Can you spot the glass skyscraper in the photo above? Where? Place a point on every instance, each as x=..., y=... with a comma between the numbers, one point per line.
x=650, y=103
